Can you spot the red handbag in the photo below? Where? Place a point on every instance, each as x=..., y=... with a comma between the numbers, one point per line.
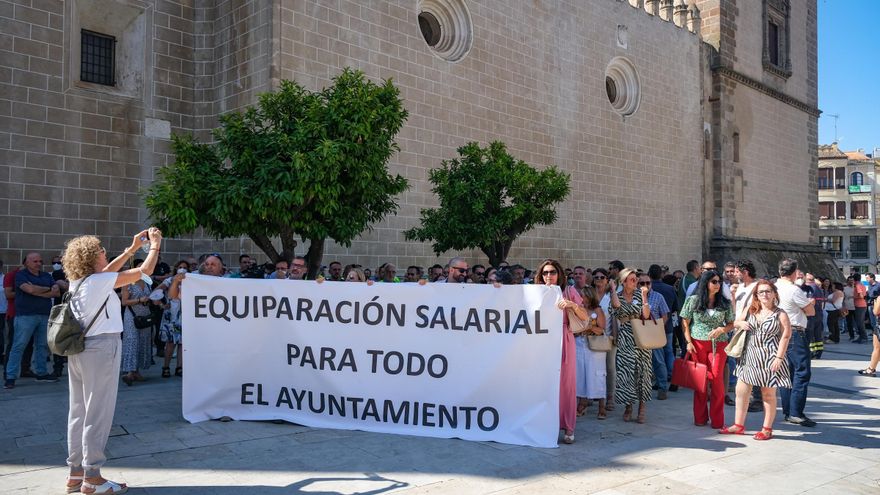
x=688, y=373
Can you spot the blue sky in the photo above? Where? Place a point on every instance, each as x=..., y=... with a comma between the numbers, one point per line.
x=849, y=73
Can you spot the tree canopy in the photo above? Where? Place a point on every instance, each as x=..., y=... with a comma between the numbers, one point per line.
x=297, y=164
x=488, y=199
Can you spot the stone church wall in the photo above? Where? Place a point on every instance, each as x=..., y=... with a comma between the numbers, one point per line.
x=74, y=158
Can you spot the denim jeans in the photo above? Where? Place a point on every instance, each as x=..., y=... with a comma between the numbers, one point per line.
x=27, y=326
x=794, y=399
x=2, y=337
x=661, y=361
x=859, y=321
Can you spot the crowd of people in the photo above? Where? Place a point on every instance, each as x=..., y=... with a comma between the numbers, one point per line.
x=788, y=318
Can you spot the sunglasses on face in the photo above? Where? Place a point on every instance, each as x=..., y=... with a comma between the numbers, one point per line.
x=599, y=277
x=714, y=281
x=462, y=270
x=644, y=284
x=764, y=292
x=549, y=272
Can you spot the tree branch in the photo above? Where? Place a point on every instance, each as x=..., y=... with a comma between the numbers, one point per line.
x=263, y=242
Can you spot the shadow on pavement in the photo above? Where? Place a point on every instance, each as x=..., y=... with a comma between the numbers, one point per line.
x=312, y=486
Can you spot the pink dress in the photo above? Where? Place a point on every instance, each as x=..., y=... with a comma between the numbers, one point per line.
x=568, y=374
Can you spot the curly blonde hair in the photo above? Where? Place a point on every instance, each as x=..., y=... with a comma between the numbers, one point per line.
x=80, y=254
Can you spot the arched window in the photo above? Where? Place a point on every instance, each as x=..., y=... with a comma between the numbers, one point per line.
x=856, y=179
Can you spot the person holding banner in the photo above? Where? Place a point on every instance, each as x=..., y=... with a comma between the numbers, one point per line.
x=550, y=273
x=635, y=370
x=94, y=373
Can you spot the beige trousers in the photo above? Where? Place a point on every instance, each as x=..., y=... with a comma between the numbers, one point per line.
x=94, y=381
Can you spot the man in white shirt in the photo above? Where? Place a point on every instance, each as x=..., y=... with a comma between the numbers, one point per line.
x=797, y=306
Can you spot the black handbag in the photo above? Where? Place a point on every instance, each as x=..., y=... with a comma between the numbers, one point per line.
x=141, y=322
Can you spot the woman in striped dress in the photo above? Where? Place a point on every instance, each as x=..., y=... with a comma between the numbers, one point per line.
x=635, y=373
x=763, y=362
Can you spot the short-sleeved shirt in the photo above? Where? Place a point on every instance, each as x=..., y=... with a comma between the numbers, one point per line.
x=873, y=292
x=848, y=298
x=26, y=304
x=88, y=299
x=744, y=298
x=659, y=308
x=9, y=281
x=703, y=322
x=860, y=293
x=791, y=300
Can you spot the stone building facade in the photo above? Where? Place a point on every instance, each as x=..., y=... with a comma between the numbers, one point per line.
x=680, y=139
x=847, y=185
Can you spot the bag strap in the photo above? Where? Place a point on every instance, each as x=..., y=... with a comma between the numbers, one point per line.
x=70, y=295
x=96, y=316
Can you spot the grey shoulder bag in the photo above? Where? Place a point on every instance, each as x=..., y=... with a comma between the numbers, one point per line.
x=65, y=334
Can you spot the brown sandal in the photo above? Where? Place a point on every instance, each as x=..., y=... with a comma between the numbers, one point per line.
x=627, y=413
x=602, y=414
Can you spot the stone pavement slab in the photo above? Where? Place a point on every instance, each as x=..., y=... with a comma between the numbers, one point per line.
x=154, y=450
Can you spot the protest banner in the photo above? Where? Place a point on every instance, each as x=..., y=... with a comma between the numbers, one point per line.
x=441, y=360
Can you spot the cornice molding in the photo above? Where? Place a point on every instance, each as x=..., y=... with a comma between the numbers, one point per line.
x=767, y=90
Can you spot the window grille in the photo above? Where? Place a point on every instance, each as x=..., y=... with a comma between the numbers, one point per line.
x=97, y=62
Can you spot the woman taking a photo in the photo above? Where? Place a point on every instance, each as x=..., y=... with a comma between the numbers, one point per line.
x=706, y=318
x=763, y=362
x=550, y=273
x=94, y=373
x=136, y=345
x=635, y=372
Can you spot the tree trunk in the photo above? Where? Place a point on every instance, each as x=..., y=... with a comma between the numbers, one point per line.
x=288, y=245
x=265, y=244
x=497, y=252
x=492, y=254
x=314, y=257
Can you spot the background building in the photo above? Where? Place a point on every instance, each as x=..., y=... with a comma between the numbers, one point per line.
x=847, y=196
x=677, y=148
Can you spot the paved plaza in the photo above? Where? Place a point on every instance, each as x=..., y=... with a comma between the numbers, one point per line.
x=156, y=452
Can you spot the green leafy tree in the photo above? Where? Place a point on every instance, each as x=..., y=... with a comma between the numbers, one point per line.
x=301, y=164
x=488, y=199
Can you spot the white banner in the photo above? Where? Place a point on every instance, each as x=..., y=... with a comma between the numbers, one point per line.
x=440, y=360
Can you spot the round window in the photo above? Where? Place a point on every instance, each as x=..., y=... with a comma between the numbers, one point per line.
x=611, y=89
x=446, y=27
x=430, y=27
x=622, y=86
